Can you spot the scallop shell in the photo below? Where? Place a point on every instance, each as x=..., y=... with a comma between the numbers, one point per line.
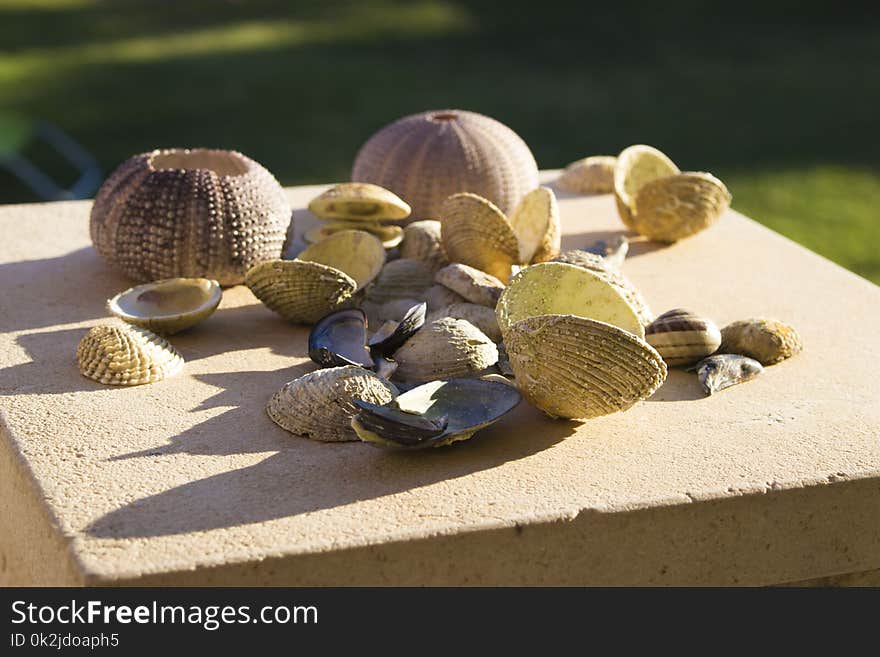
x=439, y=296
x=389, y=235
x=535, y=222
x=637, y=165
x=683, y=338
x=320, y=405
x=670, y=209
x=126, y=356
x=445, y=349
x=300, y=291
x=555, y=288
x=575, y=367
x=169, y=305
x=358, y=201
x=353, y=252
x=401, y=279
x=422, y=241
x=591, y=175
x=472, y=284
x=768, y=341
x=480, y=316
x=476, y=233
x=429, y=156
x=189, y=213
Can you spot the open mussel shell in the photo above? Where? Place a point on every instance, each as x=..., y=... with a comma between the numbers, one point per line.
x=354, y=252
x=445, y=348
x=591, y=175
x=555, y=288
x=725, y=370
x=359, y=201
x=126, y=356
x=169, y=305
x=340, y=338
x=422, y=241
x=636, y=166
x=389, y=234
x=682, y=337
x=401, y=279
x=672, y=208
x=320, y=404
x=390, y=342
x=535, y=222
x=768, y=341
x=574, y=367
x=435, y=414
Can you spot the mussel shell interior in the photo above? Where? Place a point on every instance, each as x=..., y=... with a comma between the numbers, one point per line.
x=340, y=338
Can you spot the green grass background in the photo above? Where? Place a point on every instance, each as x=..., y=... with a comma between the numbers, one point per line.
x=779, y=99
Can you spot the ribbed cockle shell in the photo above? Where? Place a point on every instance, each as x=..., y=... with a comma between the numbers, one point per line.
x=682, y=337
x=768, y=341
x=445, y=349
x=353, y=252
x=401, y=279
x=480, y=316
x=535, y=222
x=126, y=356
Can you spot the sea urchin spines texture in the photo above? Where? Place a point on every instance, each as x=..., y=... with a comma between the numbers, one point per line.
x=189, y=213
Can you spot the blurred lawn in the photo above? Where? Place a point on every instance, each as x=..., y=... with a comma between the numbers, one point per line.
x=778, y=99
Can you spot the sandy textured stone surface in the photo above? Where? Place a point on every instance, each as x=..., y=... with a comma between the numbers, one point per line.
x=189, y=482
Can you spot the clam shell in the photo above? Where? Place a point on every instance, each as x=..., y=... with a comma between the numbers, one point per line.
x=535, y=222
x=471, y=284
x=636, y=166
x=445, y=348
x=591, y=175
x=725, y=370
x=672, y=208
x=126, y=356
x=476, y=233
x=358, y=201
x=574, y=367
x=300, y=291
x=320, y=405
x=682, y=337
x=768, y=341
x=480, y=316
x=555, y=288
x=353, y=252
x=439, y=296
x=422, y=241
x=169, y=305
x=389, y=235
x=401, y=279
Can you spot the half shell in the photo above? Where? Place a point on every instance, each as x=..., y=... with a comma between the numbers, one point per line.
x=422, y=241
x=169, y=305
x=683, y=338
x=591, y=175
x=445, y=349
x=574, y=367
x=340, y=338
x=670, y=209
x=320, y=405
x=353, y=252
x=359, y=201
x=768, y=341
x=389, y=234
x=636, y=166
x=126, y=356
x=401, y=279
x=471, y=284
x=535, y=222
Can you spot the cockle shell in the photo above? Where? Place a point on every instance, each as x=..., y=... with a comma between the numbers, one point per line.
x=768, y=341
x=422, y=241
x=126, y=356
x=169, y=305
x=401, y=279
x=535, y=222
x=427, y=157
x=725, y=370
x=682, y=337
x=353, y=252
x=470, y=283
x=480, y=316
x=637, y=165
x=591, y=175
x=189, y=213
x=445, y=349
x=359, y=201
x=439, y=296
x=319, y=405
x=575, y=367
x=389, y=234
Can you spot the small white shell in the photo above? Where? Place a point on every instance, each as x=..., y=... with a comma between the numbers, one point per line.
x=591, y=175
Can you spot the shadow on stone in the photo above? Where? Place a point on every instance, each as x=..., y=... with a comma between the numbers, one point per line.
x=679, y=386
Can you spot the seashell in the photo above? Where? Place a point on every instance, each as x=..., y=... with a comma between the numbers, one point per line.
x=320, y=405
x=575, y=367
x=300, y=291
x=189, y=213
x=535, y=222
x=429, y=156
x=353, y=252
x=613, y=250
x=683, y=338
x=169, y=305
x=389, y=235
x=439, y=296
x=401, y=279
x=555, y=288
x=768, y=341
x=725, y=370
x=602, y=267
x=480, y=316
x=422, y=241
x=445, y=349
x=435, y=414
x=591, y=175
x=476, y=233
x=471, y=284
x=359, y=201
x=126, y=356
x=340, y=338
x=386, y=342
x=636, y=166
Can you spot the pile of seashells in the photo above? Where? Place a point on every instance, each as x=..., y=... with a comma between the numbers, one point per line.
x=424, y=345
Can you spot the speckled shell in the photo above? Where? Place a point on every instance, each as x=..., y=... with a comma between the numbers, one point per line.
x=422, y=241
x=319, y=404
x=475, y=232
x=574, y=367
x=445, y=349
x=213, y=219
x=591, y=175
x=126, y=356
x=300, y=291
x=637, y=165
x=670, y=209
x=401, y=279
x=471, y=284
x=682, y=337
x=480, y=316
x=389, y=234
x=426, y=157
x=353, y=252
x=768, y=341
x=439, y=296
x=359, y=202
x=608, y=272
x=535, y=222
